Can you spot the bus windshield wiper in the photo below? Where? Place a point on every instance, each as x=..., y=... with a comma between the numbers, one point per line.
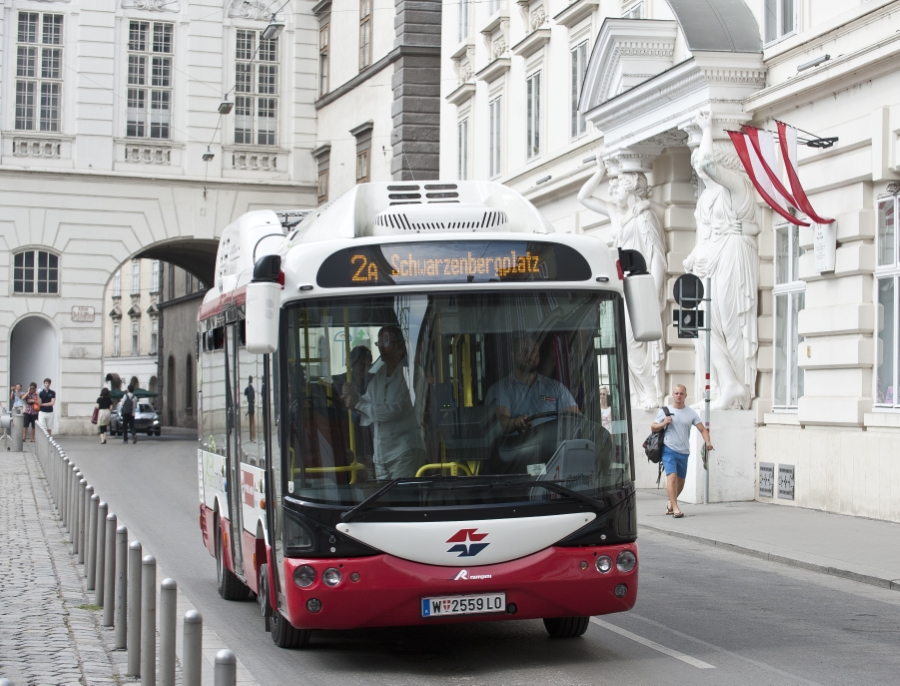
x=367, y=503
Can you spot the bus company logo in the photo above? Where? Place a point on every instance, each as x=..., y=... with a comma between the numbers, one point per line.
x=467, y=542
x=464, y=576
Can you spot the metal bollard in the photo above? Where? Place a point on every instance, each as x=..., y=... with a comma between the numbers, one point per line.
x=63, y=492
x=121, y=633
x=109, y=577
x=225, y=673
x=79, y=516
x=76, y=499
x=148, y=621
x=134, y=607
x=86, y=519
x=90, y=570
x=73, y=483
x=192, y=658
x=168, y=601
x=100, y=567
x=6, y=682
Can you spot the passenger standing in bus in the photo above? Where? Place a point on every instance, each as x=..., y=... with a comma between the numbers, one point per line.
x=394, y=404
x=677, y=444
x=250, y=394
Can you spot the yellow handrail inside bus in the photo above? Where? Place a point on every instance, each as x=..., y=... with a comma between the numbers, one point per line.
x=454, y=467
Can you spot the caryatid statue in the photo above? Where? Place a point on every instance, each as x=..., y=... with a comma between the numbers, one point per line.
x=727, y=251
x=635, y=226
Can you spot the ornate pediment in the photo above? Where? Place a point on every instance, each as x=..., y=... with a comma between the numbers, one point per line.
x=259, y=10
x=627, y=53
x=152, y=5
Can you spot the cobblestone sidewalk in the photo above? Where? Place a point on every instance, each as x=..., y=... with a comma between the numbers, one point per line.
x=50, y=631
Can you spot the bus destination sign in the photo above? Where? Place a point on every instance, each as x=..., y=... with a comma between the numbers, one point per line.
x=443, y=262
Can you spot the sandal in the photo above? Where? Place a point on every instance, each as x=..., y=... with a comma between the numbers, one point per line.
x=678, y=515
x=669, y=510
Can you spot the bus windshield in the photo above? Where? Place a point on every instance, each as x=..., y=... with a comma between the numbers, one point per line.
x=476, y=395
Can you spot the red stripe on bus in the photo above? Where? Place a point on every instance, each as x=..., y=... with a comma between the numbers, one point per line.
x=214, y=307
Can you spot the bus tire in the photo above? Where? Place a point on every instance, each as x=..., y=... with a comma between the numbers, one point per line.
x=229, y=586
x=566, y=627
x=285, y=635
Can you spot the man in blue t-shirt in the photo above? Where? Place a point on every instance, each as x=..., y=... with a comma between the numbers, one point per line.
x=525, y=393
x=677, y=444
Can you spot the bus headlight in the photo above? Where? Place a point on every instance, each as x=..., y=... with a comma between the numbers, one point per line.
x=626, y=561
x=604, y=564
x=331, y=577
x=304, y=576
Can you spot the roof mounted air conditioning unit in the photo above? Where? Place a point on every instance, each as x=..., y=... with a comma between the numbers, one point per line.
x=430, y=218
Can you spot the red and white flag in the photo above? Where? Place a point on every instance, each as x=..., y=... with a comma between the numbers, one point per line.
x=788, y=137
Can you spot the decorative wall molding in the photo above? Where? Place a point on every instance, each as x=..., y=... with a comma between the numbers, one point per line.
x=576, y=12
x=257, y=10
x=37, y=147
x=152, y=5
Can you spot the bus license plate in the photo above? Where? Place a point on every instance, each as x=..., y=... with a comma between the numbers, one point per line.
x=445, y=606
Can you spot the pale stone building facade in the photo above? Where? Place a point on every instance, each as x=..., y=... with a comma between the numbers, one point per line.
x=535, y=92
x=112, y=147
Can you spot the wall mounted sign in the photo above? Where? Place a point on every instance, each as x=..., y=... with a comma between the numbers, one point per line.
x=83, y=313
x=825, y=246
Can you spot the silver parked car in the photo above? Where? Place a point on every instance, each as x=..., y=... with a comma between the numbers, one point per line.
x=145, y=420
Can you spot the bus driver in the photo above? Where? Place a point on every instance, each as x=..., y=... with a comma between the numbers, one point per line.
x=386, y=404
x=525, y=392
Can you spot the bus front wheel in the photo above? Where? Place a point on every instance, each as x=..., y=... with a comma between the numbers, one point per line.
x=566, y=627
x=285, y=635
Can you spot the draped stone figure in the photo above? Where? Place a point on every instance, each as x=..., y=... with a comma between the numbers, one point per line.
x=635, y=226
x=726, y=250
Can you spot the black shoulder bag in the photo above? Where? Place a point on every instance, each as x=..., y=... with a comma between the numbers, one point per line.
x=654, y=444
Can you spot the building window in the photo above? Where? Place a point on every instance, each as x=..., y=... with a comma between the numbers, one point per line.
x=171, y=282
x=533, y=115
x=887, y=274
x=117, y=284
x=154, y=278
x=36, y=271
x=365, y=33
x=188, y=283
x=188, y=384
x=322, y=187
x=117, y=339
x=493, y=6
x=256, y=88
x=135, y=337
x=790, y=295
x=136, y=277
x=463, y=148
x=496, y=135
x=324, y=35
x=362, y=166
x=636, y=11
x=150, y=49
x=463, y=20
x=154, y=336
x=579, y=66
x=780, y=17
x=39, y=71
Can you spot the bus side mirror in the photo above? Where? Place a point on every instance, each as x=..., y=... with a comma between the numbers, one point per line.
x=263, y=306
x=642, y=302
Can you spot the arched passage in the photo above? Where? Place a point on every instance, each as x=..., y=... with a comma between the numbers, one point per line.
x=34, y=352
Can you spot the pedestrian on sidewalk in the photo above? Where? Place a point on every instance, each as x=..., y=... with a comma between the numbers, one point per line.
x=103, y=406
x=128, y=414
x=46, y=416
x=16, y=402
x=30, y=413
x=676, y=444
x=250, y=394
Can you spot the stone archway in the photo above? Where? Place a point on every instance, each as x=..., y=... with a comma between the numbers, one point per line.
x=34, y=352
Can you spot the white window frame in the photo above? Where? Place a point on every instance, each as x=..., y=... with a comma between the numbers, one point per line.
x=462, y=148
x=36, y=279
x=150, y=76
x=257, y=82
x=887, y=270
x=533, y=118
x=790, y=290
x=154, y=336
x=117, y=339
x=117, y=284
x=135, y=338
x=636, y=11
x=495, y=136
x=324, y=46
x=154, y=277
x=39, y=72
x=136, y=277
x=365, y=33
x=779, y=33
x=493, y=6
x=579, y=61
x=463, y=20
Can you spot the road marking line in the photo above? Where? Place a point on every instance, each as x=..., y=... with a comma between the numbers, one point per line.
x=694, y=662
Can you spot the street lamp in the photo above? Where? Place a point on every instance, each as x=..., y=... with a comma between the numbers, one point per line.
x=273, y=30
x=208, y=155
x=225, y=106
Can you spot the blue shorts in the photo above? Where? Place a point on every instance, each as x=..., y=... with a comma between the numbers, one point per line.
x=674, y=462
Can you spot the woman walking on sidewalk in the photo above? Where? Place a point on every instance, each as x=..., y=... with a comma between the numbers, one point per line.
x=32, y=406
x=677, y=444
x=104, y=403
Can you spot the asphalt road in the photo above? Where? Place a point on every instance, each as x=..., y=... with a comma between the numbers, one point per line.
x=703, y=616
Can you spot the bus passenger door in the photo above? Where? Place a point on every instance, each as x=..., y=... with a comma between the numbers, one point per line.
x=232, y=415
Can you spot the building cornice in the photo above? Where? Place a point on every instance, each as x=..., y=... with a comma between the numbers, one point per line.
x=533, y=42
x=494, y=70
x=462, y=94
x=576, y=12
x=376, y=68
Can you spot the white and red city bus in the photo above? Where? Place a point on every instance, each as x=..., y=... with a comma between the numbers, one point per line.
x=414, y=410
